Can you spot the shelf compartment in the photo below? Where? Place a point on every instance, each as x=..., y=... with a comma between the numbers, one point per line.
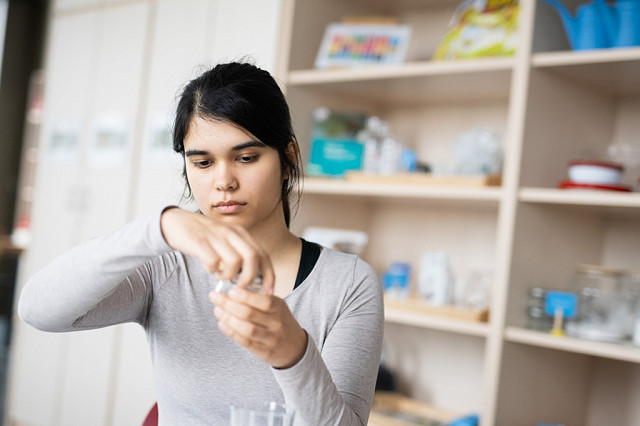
x=395, y=190
x=569, y=344
x=415, y=82
x=448, y=319
x=613, y=71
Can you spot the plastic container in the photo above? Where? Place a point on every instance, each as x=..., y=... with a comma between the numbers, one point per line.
x=397, y=280
x=595, y=172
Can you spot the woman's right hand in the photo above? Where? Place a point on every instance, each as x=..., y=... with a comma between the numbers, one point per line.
x=224, y=249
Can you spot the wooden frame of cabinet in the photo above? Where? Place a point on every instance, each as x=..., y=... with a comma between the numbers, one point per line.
x=550, y=105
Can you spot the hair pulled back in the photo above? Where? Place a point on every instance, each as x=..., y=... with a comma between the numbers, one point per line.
x=248, y=97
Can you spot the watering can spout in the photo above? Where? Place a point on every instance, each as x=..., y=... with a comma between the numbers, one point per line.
x=569, y=22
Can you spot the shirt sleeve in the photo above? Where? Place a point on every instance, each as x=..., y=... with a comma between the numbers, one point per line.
x=102, y=282
x=335, y=386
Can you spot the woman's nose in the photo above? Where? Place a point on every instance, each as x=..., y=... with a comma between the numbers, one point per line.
x=225, y=179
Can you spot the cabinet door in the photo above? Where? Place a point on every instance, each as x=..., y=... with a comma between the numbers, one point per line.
x=246, y=29
x=117, y=78
x=177, y=54
x=38, y=358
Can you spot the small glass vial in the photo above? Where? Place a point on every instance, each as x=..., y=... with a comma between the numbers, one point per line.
x=537, y=319
x=223, y=286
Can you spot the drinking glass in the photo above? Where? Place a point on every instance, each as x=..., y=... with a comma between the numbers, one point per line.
x=266, y=414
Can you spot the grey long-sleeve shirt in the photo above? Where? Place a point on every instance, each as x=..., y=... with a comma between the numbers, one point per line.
x=132, y=275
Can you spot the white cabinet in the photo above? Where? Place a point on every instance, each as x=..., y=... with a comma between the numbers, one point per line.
x=550, y=105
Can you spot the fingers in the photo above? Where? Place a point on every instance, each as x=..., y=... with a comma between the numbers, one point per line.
x=238, y=319
x=261, y=323
x=254, y=261
x=225, y=249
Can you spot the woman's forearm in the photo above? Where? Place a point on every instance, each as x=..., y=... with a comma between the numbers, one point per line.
x=80, y=279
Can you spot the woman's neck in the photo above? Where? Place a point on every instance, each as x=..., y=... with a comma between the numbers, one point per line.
x=284, y=249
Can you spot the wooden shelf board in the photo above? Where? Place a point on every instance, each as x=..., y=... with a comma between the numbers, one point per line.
x=580, y=197
x=413, y=83
x=569, y=57
x=613, y=71
x=389, y=407
x=569, y=344
x=443, y=319
x=6, y=246
x=407, y=190
x=410, y=69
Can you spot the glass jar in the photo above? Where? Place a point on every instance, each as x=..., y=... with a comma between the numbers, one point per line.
x=601, y=313
x=631, y=299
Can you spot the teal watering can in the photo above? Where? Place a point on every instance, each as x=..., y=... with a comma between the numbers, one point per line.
x=621, y=21
x=587, y=29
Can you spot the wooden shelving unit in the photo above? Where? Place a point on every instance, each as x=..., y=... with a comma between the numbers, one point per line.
x=551, y=105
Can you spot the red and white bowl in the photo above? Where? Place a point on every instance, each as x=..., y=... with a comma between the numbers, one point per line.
x=567, y=184
x=595, y=172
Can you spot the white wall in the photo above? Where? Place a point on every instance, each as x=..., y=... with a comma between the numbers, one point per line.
x=117, y=65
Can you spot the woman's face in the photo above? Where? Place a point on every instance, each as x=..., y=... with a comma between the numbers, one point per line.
x=233, y=176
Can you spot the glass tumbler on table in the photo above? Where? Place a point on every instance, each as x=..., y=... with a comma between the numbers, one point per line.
x=266, y=414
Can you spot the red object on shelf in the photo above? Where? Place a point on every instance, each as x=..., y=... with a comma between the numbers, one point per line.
x=567, y=184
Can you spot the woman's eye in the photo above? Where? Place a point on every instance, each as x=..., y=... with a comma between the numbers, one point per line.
x=202, y=163
x=247, y=158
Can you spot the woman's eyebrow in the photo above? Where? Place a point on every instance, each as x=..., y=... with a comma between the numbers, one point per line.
x=249, y=144
x=239, y=147
x=191, y=152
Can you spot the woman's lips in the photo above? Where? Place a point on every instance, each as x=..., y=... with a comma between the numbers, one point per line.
x=229, y=207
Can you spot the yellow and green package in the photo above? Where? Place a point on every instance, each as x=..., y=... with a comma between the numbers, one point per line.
x=480, y=28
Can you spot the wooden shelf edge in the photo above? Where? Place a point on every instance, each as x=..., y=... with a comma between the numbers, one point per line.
x=579, y=197
x=7, y=246
x=329, y=186
x=619, y=352
x=443, y=319
x=386, y=404
x=409, y=69
x=569, y=57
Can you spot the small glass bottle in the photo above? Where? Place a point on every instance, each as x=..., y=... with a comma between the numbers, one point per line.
x=537, y=319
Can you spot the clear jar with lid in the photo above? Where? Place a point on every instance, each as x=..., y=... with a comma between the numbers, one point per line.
x=601, y=315
x=631, y=295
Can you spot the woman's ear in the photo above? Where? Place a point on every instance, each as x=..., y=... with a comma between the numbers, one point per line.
x=293, y=153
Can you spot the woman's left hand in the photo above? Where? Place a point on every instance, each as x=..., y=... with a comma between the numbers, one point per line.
x=261, y=323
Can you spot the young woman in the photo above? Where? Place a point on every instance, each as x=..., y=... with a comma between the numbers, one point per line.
x=311, y=340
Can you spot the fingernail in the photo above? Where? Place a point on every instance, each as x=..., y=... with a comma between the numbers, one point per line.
x=217, y=312
x=235, y=293
x=214, y=296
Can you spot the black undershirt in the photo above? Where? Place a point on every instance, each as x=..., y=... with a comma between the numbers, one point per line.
x=308, y=258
